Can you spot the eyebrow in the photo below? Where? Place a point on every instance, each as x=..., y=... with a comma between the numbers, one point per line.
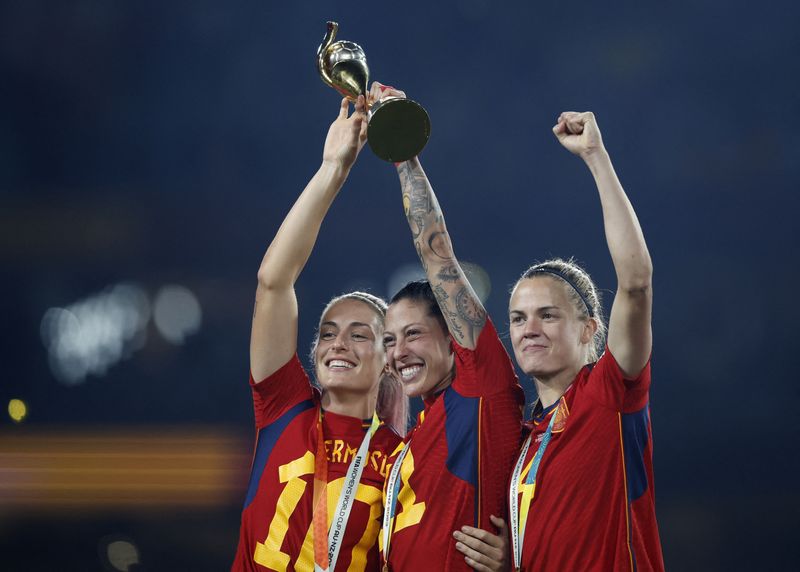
x=540, y=309
x=404, y=327
x=351, y=324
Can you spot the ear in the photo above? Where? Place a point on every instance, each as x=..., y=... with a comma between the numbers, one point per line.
x=589, y=330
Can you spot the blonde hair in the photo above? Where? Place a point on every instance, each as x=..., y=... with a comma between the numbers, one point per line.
x=392, y=405
x=581, y=292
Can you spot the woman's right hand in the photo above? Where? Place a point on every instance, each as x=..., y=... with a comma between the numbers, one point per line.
x=347, y=135
x=482, y=550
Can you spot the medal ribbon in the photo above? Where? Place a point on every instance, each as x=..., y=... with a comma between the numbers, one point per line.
x=327, y=546
x=519, y=521
x=390, y=503
x=392, y=490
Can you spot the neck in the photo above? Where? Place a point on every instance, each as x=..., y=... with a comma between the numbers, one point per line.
x=350, y=404
x=550, y=388
x=441, y=386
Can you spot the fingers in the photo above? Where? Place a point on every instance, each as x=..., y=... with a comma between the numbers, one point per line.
x=572, y=122
x=378, y=91
x=344, y=108
x=475, y=536
x=485, y=560
x=501, y=525
x=361, y=104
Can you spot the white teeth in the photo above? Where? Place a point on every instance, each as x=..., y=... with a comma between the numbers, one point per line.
x=410, y=371
x=340, y=363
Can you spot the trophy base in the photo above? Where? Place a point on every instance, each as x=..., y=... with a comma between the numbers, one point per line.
x=398, y=129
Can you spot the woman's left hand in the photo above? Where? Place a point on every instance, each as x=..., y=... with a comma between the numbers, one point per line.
x=482, y=550
x=378, y=91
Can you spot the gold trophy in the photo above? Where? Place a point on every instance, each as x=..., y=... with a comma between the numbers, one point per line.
x=398, y=128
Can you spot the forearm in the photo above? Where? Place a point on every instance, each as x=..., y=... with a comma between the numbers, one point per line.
x=462, y=310
x=624, y=235
x=294, y=241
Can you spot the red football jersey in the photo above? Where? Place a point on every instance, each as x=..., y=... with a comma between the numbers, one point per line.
x=461, y=455
x=593, y=506
x=277, y=516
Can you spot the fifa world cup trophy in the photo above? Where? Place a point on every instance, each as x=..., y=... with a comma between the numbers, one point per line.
x=398, y=128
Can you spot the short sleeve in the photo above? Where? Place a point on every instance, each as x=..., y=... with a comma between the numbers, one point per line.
x=485, y=370
x=280, y=391
x=608, y=384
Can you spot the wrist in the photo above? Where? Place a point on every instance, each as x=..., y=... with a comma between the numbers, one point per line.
x=596, y=158
x=334, y=168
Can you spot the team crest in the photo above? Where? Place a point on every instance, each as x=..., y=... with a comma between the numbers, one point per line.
x=562, y=412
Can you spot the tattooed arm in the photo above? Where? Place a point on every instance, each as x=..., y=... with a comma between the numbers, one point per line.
x=460, y=305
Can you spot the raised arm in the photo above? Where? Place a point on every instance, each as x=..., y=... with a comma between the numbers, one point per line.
x=629, y=330
x=273, y=338
x=461, y=307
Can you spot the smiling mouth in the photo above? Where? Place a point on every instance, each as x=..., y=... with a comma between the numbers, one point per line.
x=409, y=372
x=339, y=365
x=533, y=348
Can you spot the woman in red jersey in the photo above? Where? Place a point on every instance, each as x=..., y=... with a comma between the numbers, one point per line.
x=314, y=498
x=581, y=494
x=443, y=347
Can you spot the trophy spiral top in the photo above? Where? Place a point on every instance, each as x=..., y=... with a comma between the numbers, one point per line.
x=343, y=65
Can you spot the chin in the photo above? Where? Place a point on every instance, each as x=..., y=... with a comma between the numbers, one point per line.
x=414, y=389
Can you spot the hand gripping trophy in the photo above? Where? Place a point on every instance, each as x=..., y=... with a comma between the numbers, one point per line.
x=398, y=128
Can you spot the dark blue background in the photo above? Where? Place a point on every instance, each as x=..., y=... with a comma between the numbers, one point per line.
x=160, y=142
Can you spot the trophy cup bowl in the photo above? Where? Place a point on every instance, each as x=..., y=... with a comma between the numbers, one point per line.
x=398, y=128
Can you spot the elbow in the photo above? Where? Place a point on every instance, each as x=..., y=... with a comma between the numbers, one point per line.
x=269, y=281
x=639, y=279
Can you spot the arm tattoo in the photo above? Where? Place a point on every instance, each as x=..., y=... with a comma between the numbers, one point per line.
x=448, y=273
x=417, y=199
x=469, y=309
x=439, y=244
x=450, y=316
x=421, y=257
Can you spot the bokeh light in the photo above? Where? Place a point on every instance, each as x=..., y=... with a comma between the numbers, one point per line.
x=95, y=333
x=17, y=410
x=176, y=313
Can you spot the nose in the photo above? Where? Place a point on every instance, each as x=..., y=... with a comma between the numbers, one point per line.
x=340, y=343
x=532, y=328
x=399, y=350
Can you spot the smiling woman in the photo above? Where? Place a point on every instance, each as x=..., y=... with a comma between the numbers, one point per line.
x=590, y=429
x=318, y=453
x=442, y=346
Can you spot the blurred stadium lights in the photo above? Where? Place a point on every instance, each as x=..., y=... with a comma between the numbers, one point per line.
x=93, y=334
x=479, y=279
x=477, y=276
x=176, y=313
x=17, y=410
x=118, y=554
x=401, y=276
x=123, y=470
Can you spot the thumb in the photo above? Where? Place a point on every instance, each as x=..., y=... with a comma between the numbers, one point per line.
x=500, y=524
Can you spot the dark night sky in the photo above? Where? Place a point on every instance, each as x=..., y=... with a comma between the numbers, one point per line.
x=162, y=143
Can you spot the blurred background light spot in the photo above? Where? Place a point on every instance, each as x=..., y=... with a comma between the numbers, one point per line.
x=402, y=276
x=476, y=275
x=17, y=410
x=93, y=334
x=121, y=554
x=479, y=279
x=176, y=313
